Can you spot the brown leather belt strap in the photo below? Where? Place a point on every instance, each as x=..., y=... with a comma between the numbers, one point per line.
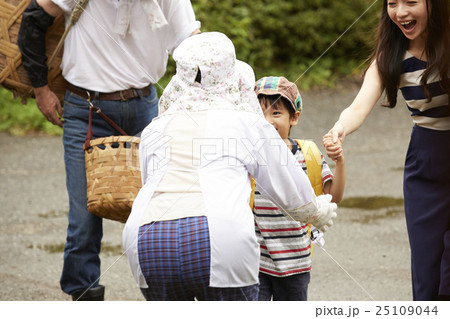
x=113, y=96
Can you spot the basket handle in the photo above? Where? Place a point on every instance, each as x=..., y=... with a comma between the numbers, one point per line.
x=90, y=133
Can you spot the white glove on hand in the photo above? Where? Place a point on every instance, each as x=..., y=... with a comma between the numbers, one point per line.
x=326, y=211
x=319, y=212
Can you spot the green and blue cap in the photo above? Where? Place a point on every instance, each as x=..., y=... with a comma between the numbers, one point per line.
x=278, y=85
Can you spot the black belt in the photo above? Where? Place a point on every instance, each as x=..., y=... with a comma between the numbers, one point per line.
x=112, y=96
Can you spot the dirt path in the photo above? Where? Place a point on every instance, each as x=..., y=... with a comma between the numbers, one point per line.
x=370, y=246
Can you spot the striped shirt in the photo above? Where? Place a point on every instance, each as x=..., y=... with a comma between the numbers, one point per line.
x=433, y=115
x=285, y=244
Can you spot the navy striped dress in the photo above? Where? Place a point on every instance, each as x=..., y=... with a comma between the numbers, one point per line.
x=427, y=183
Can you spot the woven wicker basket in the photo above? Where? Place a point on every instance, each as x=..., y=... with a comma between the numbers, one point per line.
x=12, y=73
x=113, y=176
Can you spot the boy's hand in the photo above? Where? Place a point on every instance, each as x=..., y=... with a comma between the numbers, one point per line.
x=333, y=148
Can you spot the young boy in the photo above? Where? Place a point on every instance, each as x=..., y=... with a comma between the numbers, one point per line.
x=285, y=263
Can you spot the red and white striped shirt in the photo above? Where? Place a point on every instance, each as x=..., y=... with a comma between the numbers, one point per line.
x=285, y=243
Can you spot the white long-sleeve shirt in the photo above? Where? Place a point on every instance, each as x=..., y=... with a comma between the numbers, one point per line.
x=199, y=164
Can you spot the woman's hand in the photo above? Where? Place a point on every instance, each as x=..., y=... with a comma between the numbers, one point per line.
x=337, y=132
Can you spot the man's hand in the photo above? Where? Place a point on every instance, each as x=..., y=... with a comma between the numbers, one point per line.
x=49, y=105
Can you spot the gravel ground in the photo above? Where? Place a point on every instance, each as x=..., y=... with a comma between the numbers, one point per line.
x=367, y=252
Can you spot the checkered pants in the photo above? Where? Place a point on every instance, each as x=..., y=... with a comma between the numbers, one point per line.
x=174, y=256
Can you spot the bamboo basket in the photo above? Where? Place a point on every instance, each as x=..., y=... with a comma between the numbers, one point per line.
x=12, y=73
x=113, y=176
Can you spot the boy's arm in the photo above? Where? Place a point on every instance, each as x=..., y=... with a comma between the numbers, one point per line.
x=336, y=186
x=354, y=116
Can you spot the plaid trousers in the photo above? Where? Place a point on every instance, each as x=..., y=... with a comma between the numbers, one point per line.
x=174, y=256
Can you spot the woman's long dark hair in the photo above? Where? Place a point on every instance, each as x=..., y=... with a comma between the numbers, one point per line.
x=392, y=45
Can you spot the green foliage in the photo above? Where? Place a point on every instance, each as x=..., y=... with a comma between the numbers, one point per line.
x=19, y=119
x=288, y=37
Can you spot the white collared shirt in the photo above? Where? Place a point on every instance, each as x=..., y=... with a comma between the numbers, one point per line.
x=98, y=59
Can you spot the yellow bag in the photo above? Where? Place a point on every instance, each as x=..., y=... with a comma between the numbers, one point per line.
x=313, y=162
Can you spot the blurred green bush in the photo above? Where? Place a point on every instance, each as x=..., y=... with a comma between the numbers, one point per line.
x=287, y=37
x=19, y=119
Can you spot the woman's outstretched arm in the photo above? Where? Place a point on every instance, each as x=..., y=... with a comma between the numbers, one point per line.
x=354, y=115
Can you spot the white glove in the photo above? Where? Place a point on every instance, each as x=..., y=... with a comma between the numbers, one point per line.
x=319, y=212
x=326, y=212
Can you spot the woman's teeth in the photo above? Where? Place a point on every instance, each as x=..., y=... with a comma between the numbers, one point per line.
x=408, y=24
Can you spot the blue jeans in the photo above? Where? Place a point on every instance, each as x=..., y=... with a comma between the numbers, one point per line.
x=81, y=268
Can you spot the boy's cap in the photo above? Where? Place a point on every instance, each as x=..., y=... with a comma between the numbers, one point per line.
x=279, y=85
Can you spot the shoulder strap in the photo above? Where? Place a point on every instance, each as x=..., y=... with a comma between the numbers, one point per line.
x=76, y=13
x=313, y=161
x=252, y=194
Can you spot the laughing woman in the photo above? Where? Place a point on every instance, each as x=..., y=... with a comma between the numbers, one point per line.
x=412, y=54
